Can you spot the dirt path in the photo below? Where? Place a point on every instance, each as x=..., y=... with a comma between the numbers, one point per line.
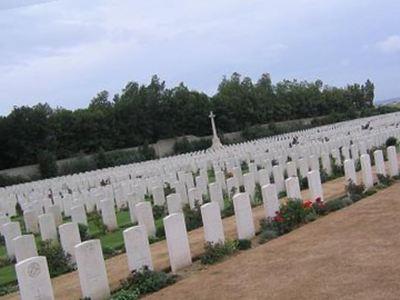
x=349, y=254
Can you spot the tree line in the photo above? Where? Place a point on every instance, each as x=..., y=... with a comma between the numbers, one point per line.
x=145, y=113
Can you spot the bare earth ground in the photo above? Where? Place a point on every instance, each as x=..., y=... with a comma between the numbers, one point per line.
x=67, y=286
x=350, y=254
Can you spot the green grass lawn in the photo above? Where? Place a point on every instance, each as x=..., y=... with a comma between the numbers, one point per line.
x=7, y=275
x=3, y=251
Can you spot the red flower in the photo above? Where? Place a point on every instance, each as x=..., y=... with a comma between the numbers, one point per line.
x=278, y=218
x=307, y=204
x=318, y=200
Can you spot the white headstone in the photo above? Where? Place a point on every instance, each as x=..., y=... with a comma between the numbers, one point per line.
x=379, y=162
x=92, y=270
x=137, y=248
x=25, y=247
x=108, y=214
x=366, y=171
x=393, y=163
x=350, y=171
x=315, y=186
x=216, y=194
x=48, y=229
x=270, y=200
x=177, y=241
x=144, y=214
x=293, y=188
x=34, y=279
x=31, y=221
x=69, y=238
x=11, y=230
x=158, y=195
x=244, y=216
x=78, y=215
x=174, y=203
x=212, y=223
x=55, y=210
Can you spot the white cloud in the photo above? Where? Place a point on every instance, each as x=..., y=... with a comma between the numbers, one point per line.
x=390, y=45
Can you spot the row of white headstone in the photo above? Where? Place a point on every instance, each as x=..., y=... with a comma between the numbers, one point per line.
x=33, y=275
x=140, y=179
x=187, y=190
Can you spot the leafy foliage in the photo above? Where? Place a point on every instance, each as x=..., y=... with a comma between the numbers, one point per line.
x=355, y=191
x=84, y=232
x=243, y=244
x=125, y=295
x=214, y=252
x=193, y=218
x=58, y=261
x=146, y=281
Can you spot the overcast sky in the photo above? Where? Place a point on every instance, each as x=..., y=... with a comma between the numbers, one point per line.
x=63, y=52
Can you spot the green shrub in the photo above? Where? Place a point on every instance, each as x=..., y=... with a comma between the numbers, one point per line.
x=267, y=235
x=58, y=261
x=355, y=191
x=97, y=221
x=391, y=141
x=337, y=204
x=147, y=281
x=228, y=208
x=108, y=251
x=243, y=244
x=370, y=192
x=84, y=232
x=193, y=217
x=126, y=295
x=159, y=211
x=216, y=252
x=385, y=180
x=160, y=231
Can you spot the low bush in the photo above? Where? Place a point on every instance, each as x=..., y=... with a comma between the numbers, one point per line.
x=108, y=251
x=97, y=221
x=337, y=204
x=267, y=235
x=385, y=180
x=160, y=231
x=126, y=295
x=243, y=244
x=159, y=211
x=355, y=191
x=216, y=252
x=193, y=218
x=228, y=208
x=84, y=232
x=58, y=261
x=146, y=281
